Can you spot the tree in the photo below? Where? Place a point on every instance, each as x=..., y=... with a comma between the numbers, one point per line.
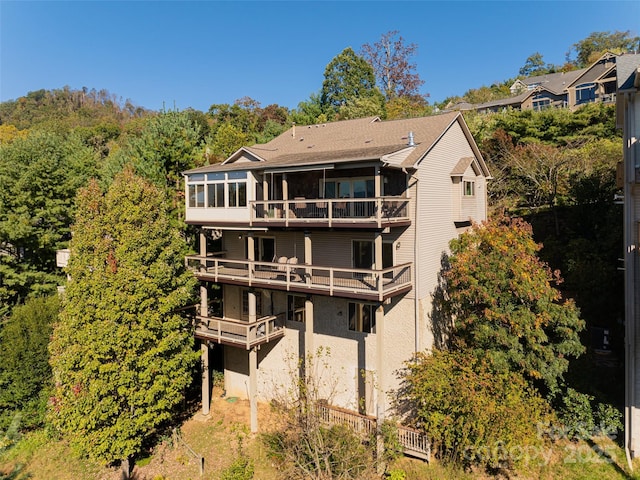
x=346, y=78
x=24, y=371
x=469, y=409
x=505, y=306
x=121, y=354
x=408, y=107
x=589, y=49
x=535, y=65
x=40, y=175
x=390, y=59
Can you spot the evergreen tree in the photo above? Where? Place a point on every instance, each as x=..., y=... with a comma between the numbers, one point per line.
x=24, y=371
x=121, y=353
x=40, y=175
x=347, y=78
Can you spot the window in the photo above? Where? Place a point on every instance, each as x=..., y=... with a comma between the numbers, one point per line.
x=196, y=190
x=245, y=303
x=237, y=188
x=295, y=308
x=541, y=103
x=349, y=188
x=362, y=317
x=209, y=190
x=362, y=254
x=215, y=190
x=264, y=249
x=585, y=93
x=469, y=188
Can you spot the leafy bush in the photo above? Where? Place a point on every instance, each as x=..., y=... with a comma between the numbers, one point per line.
x=319, y=452
x=581, y=419
x=241, y=469
x=474, y=415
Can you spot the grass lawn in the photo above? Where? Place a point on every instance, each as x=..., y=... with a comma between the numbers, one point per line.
x=38, y=457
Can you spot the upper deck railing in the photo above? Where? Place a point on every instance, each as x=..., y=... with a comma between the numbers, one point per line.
x=368, y=284
x=344, y=212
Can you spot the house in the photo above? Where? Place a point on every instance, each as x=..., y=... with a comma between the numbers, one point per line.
x=596, y=83
x=628, y=118
x=330, y=236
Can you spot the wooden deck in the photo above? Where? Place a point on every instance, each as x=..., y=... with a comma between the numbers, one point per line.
x=373, y=285
x=240, y=333
x=379, y=212
x=414, y=442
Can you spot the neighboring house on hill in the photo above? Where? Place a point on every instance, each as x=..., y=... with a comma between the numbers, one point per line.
x=597, y=83
x=331, y=236
x=628, y=118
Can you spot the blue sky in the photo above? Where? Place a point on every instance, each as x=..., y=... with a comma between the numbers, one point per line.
x=195, y=54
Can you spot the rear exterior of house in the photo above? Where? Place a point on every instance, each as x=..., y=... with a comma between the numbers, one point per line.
x=330, y=237
x=628, y=118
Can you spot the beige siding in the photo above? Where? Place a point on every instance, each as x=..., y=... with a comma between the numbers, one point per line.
x=436, y=214
x=339, y=369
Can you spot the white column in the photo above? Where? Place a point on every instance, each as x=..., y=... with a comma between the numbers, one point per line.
x=308, y=256
x=204, y=296
x=206, y=382
x=253, y=388
x=377, y=183
x=204, y=348
x=308, y=327
x=377, y=248
x=380, y=383
x=285, y=187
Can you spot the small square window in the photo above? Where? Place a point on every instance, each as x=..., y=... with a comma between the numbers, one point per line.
x=469, y=188
x=295, y=308
x=362, y=317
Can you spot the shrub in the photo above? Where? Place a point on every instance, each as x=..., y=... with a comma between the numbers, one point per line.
x=474, y=415
x=581, y=419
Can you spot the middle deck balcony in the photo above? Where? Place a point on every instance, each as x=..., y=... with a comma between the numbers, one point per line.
x=289, y=275
x=379, y=212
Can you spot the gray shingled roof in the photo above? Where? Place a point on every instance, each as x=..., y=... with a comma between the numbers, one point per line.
x=554, y=82
x=505, y=102
x=626, y=66
x=363, y=139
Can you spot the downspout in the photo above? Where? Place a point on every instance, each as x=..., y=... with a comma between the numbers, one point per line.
x=630, y=270
x=416, y=262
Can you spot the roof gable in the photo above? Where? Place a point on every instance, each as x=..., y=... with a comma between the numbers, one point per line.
x=365, y=139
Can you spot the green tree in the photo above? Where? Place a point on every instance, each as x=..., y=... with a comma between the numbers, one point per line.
x=535, y=65
x=40, y=175
x=168, y=144
x=589, y=49
x=309, y=112
x=346, y=78
x=474, y=414
x=390, y=59
x=24, y=371
x=121, y=353
x=505, y=306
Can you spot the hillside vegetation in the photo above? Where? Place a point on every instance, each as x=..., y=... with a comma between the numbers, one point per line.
x=556, y=169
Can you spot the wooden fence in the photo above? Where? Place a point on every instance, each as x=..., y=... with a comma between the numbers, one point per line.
x=414, y=442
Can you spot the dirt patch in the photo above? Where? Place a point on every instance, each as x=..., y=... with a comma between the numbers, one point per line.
x=216, y=438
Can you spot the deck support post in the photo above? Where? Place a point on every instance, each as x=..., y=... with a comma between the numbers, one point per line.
x=308, y=256
x=204, y=348
x=253, y=388
x=285, y=188
x=206, y=378
x=380, y=384
x=308, y=328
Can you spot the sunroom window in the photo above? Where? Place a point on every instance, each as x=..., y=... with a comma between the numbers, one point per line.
x=217, y=190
